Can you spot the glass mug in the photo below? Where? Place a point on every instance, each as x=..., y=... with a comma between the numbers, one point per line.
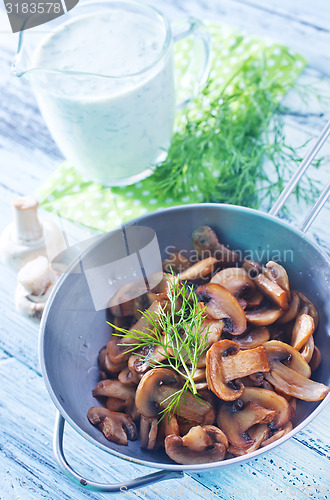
x=103, y=77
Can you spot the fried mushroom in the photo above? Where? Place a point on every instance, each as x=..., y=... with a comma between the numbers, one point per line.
x=220, y=304
x=226, y=363
x=116, y=427
x=202, y=444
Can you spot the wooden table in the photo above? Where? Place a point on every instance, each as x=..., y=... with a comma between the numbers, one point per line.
x=299, y=468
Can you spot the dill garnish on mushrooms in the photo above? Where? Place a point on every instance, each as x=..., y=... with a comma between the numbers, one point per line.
x=177, y=330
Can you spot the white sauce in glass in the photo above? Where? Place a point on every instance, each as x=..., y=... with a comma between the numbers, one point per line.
x=112, y=127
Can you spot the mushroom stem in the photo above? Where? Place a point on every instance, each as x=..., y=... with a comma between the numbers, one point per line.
x=26, y=222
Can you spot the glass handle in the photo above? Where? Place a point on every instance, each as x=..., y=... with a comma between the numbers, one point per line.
x=196, y=75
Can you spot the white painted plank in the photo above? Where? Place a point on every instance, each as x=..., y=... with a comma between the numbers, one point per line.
x=315, y=13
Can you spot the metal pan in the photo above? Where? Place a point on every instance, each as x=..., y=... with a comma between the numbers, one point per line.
x=72, y=331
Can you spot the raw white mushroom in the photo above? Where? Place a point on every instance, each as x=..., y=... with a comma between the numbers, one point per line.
x=27, y=236
x=35, y=282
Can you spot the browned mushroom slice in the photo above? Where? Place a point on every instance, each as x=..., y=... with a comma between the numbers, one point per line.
x=128, y=299
x=119, y=348
x=292, y=380
x=220, y=303
x=116, y=427
x=308, y=308
x=252, y=267
x=177, y=263
x=236, y=280
x=225, y=363
x=278, y=434
x=253, y=337
x=201, y=445
x=285, y=353
x=273, y=291
x=316, y=359
x=264, y=316
x=156, y=389
x=307, y=350
x=275, y=272
x=213, y=328
x=235, y=421
x=148, y=432
x=258, y=434
x=114, y=404
x=107, y=367
x=199, y=270
x=257, y=380
x=114, y=389
x=144, y=357
x=206, y=243
x=129, y=378
x=303, y=329
x=293, y=310
x=185, y=425
x=270, y=400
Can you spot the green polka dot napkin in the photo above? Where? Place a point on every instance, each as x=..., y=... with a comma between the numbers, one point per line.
x=98, y=207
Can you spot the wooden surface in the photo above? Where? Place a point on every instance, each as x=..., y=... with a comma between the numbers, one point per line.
x=298, y=469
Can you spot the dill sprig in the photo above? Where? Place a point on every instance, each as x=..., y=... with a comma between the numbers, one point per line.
x=177, y=333
x=234, y=149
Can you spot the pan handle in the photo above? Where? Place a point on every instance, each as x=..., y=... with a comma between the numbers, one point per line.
x=92, y=485
x=300, y=172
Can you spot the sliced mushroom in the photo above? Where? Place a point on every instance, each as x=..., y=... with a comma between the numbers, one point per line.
x=264, y=316
x=252, y=267
x=277, y=435
x=237, y=281
x=292, y=312
x=235, y=421
x=128, y=299
x=292, y=380
x=116, y=427
x=199, y=270
x=114, y=404
x=225, y=363
x=252, y=337
x=129, y=378
x=201, y=445
x=303, y=329
x=213, y=329
x=273, y=291
x=275, y=272
x=107, y=368
x=114, y=389
x=270, y=400
x=307, y=350
x=257, y=380
x=316, y=359
x=119, y=348
x=308, y=308
x=258, y=434
x=148, y=432
x=220, y=303
x=156, y=389
x=149, y=354
x=206, y=243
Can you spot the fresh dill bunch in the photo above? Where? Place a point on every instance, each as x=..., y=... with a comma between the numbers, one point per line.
x=179, y=334
x=220, y=153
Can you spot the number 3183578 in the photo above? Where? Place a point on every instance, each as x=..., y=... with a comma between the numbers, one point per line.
x=34, y=8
